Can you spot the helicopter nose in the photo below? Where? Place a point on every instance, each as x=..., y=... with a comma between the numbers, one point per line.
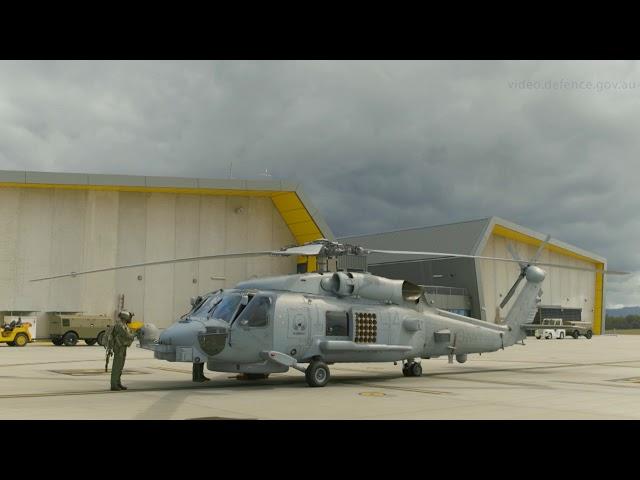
x=213, y=340
x=181, y=334
x=210, y=336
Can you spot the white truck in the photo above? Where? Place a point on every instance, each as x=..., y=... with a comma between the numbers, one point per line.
x=549, y=331
x=555, y=328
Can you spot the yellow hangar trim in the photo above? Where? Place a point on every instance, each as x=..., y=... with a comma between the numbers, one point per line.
x=597, y=303
x=296, y=216
x=299, y=221
x=126, y=188
x=598, y=294
x=521, y=237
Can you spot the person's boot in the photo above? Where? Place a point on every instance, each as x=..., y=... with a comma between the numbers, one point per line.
x=122, y=387
x=198, y=374
x=115, y=388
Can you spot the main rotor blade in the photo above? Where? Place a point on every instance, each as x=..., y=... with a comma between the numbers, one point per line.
x=515, y=255
x=163, y=262
x=540, y=248
x=446, y=256
x=303, y=250
x=512, y=290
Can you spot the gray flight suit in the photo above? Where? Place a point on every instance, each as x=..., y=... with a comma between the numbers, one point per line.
x=122, y=338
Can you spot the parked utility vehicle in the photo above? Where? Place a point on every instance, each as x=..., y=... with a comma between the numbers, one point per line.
x=550, y=330
x=575, y=329
x=68, y=329
x=16, y=334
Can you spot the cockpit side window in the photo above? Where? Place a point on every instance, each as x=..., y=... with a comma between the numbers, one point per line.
x=256, y=313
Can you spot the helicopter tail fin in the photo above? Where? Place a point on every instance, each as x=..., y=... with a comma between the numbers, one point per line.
x=525, y=306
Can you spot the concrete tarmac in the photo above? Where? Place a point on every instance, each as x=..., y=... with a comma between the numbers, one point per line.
x=545, y=379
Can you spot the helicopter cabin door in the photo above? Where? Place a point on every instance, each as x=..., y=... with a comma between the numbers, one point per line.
x=294, y=332
x=252, y=330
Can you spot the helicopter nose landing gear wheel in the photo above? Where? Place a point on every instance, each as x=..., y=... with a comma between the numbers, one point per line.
x=412, y=369
x=317, y=374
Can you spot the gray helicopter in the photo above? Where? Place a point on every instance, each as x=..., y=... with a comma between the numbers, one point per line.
x=310, y=321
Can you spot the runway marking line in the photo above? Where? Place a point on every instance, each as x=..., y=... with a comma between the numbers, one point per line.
x=96, y=371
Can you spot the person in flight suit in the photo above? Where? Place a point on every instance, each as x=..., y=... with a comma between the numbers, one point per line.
x=121, y=338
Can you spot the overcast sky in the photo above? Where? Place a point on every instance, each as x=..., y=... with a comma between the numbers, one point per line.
x=553, y=146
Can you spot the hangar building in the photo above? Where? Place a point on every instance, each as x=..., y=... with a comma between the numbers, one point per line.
x=476, y=287
x=54, y=223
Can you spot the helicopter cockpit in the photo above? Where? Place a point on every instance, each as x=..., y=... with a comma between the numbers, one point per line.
x=211, y=319
x=229, y=305
x=220, y=305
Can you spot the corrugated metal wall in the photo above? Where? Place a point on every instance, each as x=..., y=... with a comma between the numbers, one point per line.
x=47, y=231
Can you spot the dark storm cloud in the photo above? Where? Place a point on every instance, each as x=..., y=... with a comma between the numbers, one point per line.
x=378, y=145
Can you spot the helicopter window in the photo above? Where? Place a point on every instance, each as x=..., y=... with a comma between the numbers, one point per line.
x=226, y=308
x=244, y=301
x=256, y=313
x=207, y=305
x=337, y=324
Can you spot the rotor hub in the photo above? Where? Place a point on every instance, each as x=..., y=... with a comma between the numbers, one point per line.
x=535, y=274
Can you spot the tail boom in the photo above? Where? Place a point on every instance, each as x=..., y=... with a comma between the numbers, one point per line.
x=524, y=308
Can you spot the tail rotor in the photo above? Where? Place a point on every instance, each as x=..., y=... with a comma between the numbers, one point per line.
x=523, y=268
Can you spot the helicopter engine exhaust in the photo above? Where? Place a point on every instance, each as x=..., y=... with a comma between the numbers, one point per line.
x=372, y=287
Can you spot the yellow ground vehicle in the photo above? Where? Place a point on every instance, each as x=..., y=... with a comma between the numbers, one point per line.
x=16, y=334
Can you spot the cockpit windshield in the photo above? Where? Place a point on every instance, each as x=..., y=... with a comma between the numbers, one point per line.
x=207, y=305
x=226, y=308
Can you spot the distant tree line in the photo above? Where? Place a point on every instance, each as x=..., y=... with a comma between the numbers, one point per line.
x=621, y=323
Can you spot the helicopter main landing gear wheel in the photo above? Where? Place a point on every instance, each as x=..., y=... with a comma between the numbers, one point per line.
x=412, y=369
x=317, y=374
